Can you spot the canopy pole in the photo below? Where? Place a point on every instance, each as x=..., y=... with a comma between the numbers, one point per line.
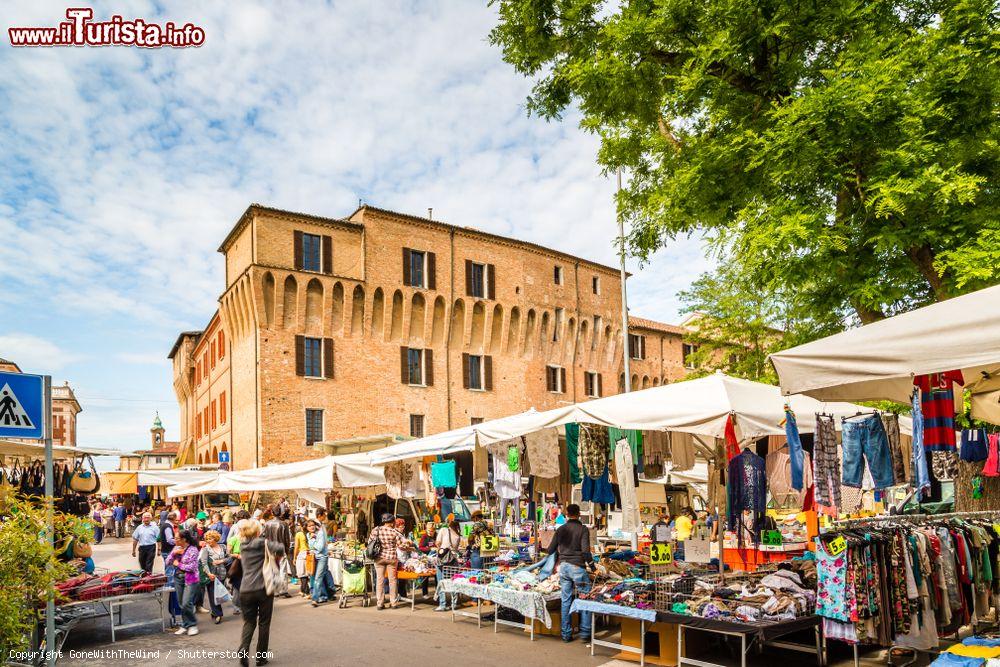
x=621, y=235
x=720, y=453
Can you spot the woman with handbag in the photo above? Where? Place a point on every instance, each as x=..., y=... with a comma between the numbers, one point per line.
x=213, y=558
x=187, y=580
x=448, y=541
x=255, y=601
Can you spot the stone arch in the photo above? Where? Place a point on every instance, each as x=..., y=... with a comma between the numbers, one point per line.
x=496, y=330
x=607, y=338
x=215, y=454
x=478, y=326
x=314, y=308
x=584, y=337
x=634, y=384
x=656, y=382
x=571, y=337
x=378, y=314
x=544, y=331
x=267, y=288
x=457, y=336
x=290, y=299
x=621, y=383
x=645, y=382
x=529, y=333
x=513, y=328
x=224, y=448
x=396, y=317
x=358, y=311
x=417, y=317
x=438, y=327
x=337, y=308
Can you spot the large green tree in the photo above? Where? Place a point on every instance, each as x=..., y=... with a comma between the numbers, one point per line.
x=843, y=149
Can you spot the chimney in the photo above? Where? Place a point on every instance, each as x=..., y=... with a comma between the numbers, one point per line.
x=430, y=213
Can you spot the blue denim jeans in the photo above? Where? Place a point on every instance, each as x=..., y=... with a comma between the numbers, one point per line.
x=865, y=437
x=320, y=587
x=795, y=453
x=573, y=579
x=475, y=559
x=918, y=460
x=190, y=598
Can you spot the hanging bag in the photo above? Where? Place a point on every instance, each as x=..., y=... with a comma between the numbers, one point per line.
x=82, y=480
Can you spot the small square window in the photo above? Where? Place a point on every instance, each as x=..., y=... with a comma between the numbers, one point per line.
x=476, y=420
x=311, y=252
x=314, y=426
x=313, y=357
x=554, y=379
x=417, y=426
x=636, y=346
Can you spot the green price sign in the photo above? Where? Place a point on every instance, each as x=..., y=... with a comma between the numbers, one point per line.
x=837, y=546
x=489, y=544
x=661, y=554
x=773, y=538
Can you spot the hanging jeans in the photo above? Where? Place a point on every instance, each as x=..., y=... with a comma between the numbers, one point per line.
x=864, y=438
x=573, y=580
x=921, y=478
x=794, y=449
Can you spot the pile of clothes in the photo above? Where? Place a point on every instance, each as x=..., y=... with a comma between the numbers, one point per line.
x=418, y=563
x=633, y=592
x=527, y=580
x=90, y=587
x=779, y=595
x=346, y=550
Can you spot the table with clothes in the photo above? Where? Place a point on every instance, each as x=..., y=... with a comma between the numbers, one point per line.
x=971, y=652
x=526, y=590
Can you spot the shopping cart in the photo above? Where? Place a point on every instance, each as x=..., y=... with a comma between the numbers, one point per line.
x=354, y=583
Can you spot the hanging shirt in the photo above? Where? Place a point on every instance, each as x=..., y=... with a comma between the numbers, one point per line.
x=747, y=490
x=573, y=452
x=937, y=401
x=506, y=483
x=594, y=449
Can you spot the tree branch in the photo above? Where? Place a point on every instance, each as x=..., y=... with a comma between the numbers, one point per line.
x=923, y=258
x=718, y=69
x=667, y=133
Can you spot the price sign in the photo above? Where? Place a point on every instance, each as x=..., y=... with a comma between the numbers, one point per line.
x=489, y=544
x=661, y=554
x=837, y=546
x=773, y=538
x=697, y=551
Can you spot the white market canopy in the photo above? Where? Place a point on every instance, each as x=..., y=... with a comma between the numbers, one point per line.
x=878, y=361
x=172, y=476
x=699, y=407
x=36, y=450
x=328, y=472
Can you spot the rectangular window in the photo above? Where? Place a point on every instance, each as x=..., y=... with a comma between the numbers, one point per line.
x=417, y=426
x=595, y=285
x=197, y=425
x=197, y=374
x=592, y=384
x=557, y=275
x=222, y=344
x=688, y=351
x=598, y=332
x=477, y=282
x=417, y=260
x=312, y=248
x=213, y=354
x=222, y=408
x=555, y=379
x=475, y=371
x=214, y=416
x=475, y=420
x=314, y=426
x=313, y=356
x=557, y=324
x=636, y=346
x=415, y=366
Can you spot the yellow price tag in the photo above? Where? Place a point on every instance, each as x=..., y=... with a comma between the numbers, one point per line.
x=837, y=546
x=489, y=544
x=661, y=554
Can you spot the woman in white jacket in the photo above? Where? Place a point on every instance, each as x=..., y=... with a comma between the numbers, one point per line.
x=448, y=541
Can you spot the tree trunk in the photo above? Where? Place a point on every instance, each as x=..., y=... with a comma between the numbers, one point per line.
x=865, y=314
x=923, y=258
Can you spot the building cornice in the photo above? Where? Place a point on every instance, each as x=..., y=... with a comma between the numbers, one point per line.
x=253, y=209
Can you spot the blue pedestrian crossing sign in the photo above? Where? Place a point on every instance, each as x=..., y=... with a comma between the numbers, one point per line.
x=22, y=401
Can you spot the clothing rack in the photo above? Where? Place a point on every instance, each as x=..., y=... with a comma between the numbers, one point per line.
x=915, y=518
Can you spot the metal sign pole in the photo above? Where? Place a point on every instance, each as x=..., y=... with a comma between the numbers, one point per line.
x=50, y=605
x=627, y=385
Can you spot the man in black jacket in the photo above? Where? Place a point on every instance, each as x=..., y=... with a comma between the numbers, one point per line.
x=571, y=544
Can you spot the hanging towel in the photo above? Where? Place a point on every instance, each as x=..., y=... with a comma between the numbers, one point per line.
x=443, y=475
x=594, y=449
x=573, y=453
x=543, y=452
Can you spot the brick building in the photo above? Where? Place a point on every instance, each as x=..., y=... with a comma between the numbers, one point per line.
x=386, y=323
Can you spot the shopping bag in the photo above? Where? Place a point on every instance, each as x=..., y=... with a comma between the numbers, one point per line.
x=221, y=593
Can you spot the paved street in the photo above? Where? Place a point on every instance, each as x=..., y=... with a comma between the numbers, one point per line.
x=356, y=635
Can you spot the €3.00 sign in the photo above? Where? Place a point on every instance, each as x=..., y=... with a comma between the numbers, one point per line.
x=489, y=544
x=661, y=554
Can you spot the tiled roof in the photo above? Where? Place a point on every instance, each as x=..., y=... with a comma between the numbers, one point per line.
x=642, y=323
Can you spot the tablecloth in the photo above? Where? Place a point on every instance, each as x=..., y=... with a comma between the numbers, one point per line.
x=529, y=604
x=613, y=609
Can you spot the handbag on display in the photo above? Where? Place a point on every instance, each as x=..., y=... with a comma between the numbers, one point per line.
x=84, y=481
x=82, y=549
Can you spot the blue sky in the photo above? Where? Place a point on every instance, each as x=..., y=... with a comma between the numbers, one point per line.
x=122, y=169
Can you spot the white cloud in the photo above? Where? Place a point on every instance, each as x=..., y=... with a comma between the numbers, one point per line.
x=33, y=354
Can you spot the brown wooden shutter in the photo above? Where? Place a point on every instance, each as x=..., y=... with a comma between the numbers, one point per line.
x=491, y=288
x=600, y=386
x=431, y=270
x=429, y=367
x=406, y=266
x=562, y=379
x=298, y=250
x=631, y=346
x=327, y=255
x=328, y=357
x=468, y=277
x=488, y=373
x=465, y=370
x=300, y=355
x=642, y=354
x=404, y=365
x=548, y=379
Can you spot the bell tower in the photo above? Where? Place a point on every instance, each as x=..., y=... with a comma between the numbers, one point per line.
x=156, y=433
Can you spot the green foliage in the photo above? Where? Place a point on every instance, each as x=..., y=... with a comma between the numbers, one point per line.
x=28, y=566
x=846, y=150
x=740, y=322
